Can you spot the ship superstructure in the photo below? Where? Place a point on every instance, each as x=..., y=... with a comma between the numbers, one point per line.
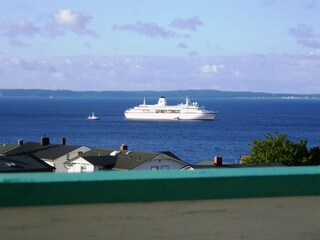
x=162, y=111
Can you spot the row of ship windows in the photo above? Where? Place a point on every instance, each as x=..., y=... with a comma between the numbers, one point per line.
x=168, y=111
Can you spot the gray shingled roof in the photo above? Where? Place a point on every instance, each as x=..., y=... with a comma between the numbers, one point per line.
x=7, y=147
x=128, y=160
x=23, y=163
x=170, y=154
x=125, y=160
x=98, y=152
x=98, y=157
x=105, y=161
x=50, y=151
x=210, y=164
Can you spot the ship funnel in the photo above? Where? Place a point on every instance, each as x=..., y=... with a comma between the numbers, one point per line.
x=162, y=101
x=187, y=101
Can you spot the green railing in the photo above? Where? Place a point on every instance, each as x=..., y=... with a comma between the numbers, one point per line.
x=25, y=189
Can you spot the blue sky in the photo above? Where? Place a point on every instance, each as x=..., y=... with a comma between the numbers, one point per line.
x=253, y=45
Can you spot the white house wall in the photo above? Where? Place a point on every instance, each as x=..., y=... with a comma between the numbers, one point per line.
x=161, y=162
x=80, y=165
x=59, y=162
x=49, y=161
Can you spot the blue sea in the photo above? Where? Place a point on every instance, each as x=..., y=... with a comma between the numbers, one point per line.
x=238, y=123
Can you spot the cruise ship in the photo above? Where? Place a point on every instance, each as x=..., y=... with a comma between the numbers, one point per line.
x=162, y=111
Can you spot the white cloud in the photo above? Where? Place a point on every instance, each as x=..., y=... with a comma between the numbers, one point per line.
x=238, y=74
x=266, y=73
x=68, y=61
x=14, y=29
x=211, y=68
x=193, y=54
x=315, y=52
x=86, y=45
x=13, y=61
x=189, y=23
x=152, y=30
x=69, y=20
x=64, y=20
x=57, y=75
x=305, y=36
x=17, y=43
x=182, y=45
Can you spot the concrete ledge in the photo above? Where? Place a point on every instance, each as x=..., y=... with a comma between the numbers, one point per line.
x=149, y=186
x=285, y=218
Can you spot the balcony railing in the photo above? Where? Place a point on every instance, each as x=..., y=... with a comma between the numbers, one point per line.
x=26, y=189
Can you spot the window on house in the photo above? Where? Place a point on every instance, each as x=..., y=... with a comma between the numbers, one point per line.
x=82, y=168
x=154, y=168
x=165, y=167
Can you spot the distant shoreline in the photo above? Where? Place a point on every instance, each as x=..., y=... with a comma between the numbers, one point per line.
x=151, y=94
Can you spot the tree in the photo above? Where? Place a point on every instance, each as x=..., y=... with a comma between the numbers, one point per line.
x=315, y=155
x=278, y=149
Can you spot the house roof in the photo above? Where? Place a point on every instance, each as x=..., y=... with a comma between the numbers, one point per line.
x=129, y=160
x=102, y=160
x=170, y=154
x=97, y=157
x=98, y=152
x=23, y=163
x=210, y=164
x=50, y=151
x=7, y=147
x=122, y=159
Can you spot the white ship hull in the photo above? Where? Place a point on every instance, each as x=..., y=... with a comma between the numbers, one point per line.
x=170, y=116
x=162, y=111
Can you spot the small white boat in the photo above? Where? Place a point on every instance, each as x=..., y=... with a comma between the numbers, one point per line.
x=93, y=117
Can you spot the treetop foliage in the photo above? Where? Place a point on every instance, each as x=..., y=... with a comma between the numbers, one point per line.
x=278, y=149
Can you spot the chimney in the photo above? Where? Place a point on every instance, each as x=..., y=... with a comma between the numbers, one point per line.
x=217, y=161
x=20, y=142
x=63, y=141
x=44, y=141
x=123, y=147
